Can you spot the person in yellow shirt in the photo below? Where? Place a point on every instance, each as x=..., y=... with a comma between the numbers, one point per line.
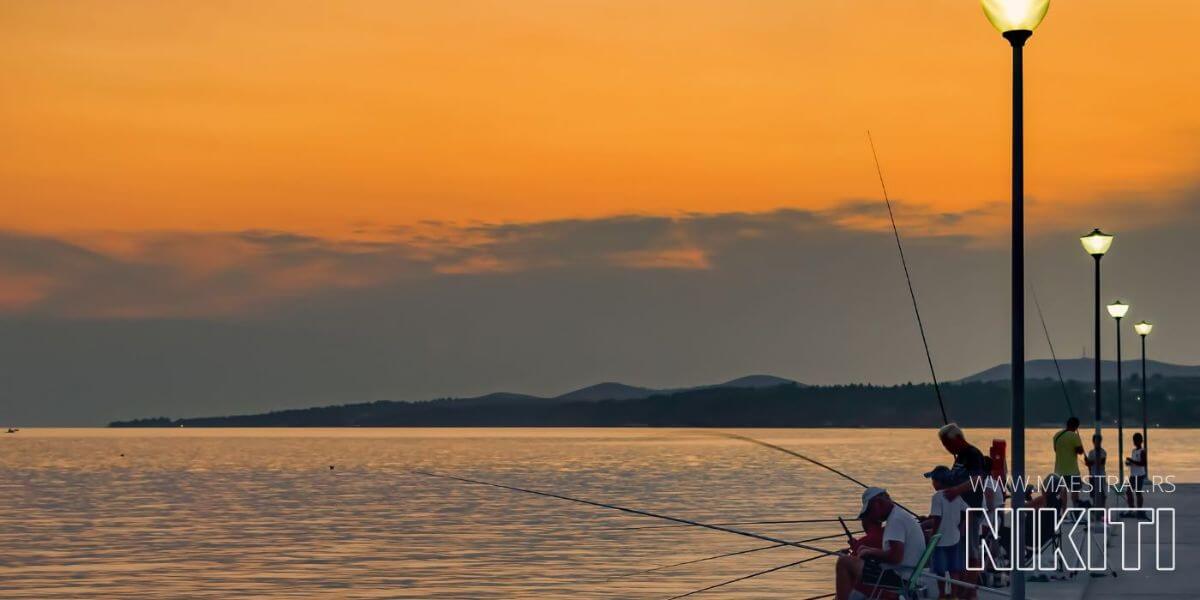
x=1067, y=449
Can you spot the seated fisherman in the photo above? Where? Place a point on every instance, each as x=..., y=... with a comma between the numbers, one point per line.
x=872, y=535
x=889, y=565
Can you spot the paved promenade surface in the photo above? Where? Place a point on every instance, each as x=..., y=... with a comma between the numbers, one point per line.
x=1148, y=582
x=1184, y=581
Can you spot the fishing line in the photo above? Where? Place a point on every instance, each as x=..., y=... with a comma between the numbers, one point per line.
x=912, y=294
x=745, y=577
x=700, y=560
x=634, y=511
x=980, y=588
x=727, y=555
x=1046, y=330
x=784, y=522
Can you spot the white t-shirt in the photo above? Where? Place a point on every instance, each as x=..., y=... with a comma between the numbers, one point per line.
x=1096, y=469
x=993, y=500
x=903, y=527
x=993, y=493
x=1139, y=454
x=951, y=513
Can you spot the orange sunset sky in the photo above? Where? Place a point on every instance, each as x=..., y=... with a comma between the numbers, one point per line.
x=223, y=206
x=336, y=118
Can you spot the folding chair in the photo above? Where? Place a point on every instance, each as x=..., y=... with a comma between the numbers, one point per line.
x=910, y=587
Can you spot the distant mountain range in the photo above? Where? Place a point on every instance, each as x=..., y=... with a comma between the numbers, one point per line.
x=1175, y=402
x=1073, y=369
x=1082, y=369
x=751, y=401
x=610, y=390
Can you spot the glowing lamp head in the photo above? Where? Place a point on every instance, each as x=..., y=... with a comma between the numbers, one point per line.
x=1143, y=328
x=1117, y=309
x=1096, y=243
x=1015, y=15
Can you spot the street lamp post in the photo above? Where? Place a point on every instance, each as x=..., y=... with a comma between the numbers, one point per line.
x=1016, y=20
x=1096, y=244
x=1143, y=329
x=1117, y=310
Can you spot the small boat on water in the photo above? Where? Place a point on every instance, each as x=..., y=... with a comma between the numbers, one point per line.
x=12, y=430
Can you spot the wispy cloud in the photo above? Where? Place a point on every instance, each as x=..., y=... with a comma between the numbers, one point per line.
x=116, y=325
x=190, y=274
x=675, y=258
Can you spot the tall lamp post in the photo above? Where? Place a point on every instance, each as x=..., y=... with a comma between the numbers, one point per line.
x=1097, y=243
x=1143, y=329
x=1116, y=310
x=1016, y=20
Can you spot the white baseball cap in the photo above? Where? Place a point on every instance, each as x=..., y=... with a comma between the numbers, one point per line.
x=868, y=495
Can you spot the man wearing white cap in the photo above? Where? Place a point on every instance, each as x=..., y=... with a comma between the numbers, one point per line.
x=903, y=545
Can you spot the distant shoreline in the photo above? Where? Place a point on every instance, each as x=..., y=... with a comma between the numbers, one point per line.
x=1174, y=403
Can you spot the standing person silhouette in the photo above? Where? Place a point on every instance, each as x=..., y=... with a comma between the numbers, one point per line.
x=1136, y=483
x=1097, y=461
x=1067, y=449
x=969, y=475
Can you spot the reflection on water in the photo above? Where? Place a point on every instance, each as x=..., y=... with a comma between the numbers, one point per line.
x=259, y=513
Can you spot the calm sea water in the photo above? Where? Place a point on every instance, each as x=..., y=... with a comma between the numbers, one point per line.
x=222, y=513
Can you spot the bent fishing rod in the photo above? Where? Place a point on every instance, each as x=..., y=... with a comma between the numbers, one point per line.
x=1046, y=330
x=937, y=388
x=738, y=436
x=634, y=511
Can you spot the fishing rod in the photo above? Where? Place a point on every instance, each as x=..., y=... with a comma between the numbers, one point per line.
x=937, y=388
x=1046, y=330
x=634, y=511
x=738, y=436
x=727, y=555
x=849, y=536
x=783, y=522
x=973, y=586
x=821, y=551
x=751, y=576
x=700, y=560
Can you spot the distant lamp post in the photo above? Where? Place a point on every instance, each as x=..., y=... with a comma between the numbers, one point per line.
x=1096, y=244
x=1117, y=310
x=1009, y=16
x=1143, y=329
x=1016, y=20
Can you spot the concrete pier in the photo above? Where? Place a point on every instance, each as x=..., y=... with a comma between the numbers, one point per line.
x=1147, y=582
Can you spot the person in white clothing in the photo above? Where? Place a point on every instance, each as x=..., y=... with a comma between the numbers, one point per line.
x=889, y=566
x=1137, y=475
x=946, y=518
x=1096, y=461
